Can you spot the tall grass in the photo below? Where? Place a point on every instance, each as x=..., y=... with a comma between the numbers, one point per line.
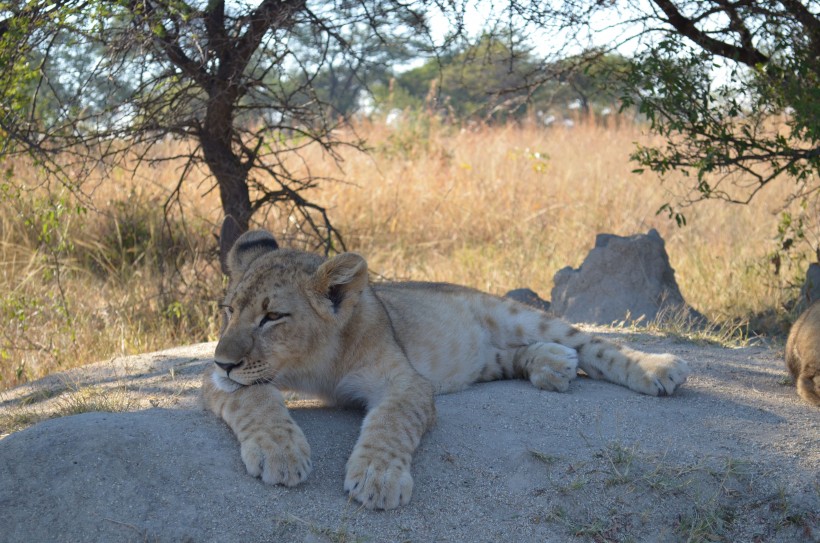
x=499, y=208
x=79, y=286
x=491, y=207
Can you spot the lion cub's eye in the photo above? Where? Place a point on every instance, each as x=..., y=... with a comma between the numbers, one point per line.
x=272, y=317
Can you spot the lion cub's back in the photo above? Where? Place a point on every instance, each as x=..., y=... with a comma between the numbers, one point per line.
x=449, y=332
x=803, y=354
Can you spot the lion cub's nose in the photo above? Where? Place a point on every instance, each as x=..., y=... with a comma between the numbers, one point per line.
x=227, y=366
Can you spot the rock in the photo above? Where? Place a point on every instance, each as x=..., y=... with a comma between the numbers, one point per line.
x=501, y=458
x=529, y=297
x=621, y=279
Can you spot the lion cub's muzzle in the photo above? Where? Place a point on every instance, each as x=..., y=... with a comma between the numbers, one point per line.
x=231, y=352
x=228, y=366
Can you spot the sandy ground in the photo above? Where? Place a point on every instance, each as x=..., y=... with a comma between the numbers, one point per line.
x=733, y=456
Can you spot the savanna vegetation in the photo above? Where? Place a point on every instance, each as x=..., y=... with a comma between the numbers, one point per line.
x=128, y=129
x=495, y=207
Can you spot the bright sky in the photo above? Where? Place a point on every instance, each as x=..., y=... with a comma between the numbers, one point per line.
x=606, y=30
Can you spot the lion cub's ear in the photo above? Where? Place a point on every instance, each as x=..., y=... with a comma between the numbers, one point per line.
x=238, y=250
x=341, y=280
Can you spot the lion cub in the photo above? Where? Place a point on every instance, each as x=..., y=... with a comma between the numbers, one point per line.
x=296, y=321
x=803, y=354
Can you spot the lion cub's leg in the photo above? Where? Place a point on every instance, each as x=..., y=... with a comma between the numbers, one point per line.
x=378, y=471
x=273, y=447
x=549, y=366
x=808, y=387
x=648, y=373
x=653, y=374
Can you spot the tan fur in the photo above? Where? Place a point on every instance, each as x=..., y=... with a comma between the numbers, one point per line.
x=296, y=321
x=803, y=354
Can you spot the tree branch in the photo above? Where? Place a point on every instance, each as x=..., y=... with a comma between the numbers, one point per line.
x=747, y=55
x=805, y=17
x=270, y=15
x=169, y=43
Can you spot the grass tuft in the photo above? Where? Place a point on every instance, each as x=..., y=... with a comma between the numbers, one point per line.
x=545, y=458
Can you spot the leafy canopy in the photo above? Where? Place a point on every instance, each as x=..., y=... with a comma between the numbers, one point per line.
x=733, y=87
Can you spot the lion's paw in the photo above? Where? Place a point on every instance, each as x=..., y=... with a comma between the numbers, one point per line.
x=285, y=461
x=378, y=484
x=659, y=374
x=553, y=366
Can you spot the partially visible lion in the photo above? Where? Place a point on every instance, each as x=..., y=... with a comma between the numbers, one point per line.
x=803, y=354
x=296, y=321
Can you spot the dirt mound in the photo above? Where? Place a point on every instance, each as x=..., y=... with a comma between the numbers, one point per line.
x=621, y=279
x=733, y=455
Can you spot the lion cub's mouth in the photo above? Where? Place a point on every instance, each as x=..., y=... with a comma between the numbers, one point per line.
x=225, y=383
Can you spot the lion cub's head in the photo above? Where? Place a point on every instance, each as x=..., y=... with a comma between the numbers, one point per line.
x=284, y=310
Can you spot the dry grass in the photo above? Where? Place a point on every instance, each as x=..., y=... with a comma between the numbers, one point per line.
x=507, y=207
x=495, y=208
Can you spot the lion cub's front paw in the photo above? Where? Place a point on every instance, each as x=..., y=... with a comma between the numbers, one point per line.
x=282, y=459
x=659, y=374
x=378, y=483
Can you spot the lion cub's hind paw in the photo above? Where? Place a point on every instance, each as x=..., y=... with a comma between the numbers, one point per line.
x=551, y=366
x=661, y=374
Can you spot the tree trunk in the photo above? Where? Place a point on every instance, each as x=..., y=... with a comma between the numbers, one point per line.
x=231, y=175
x=232, y=179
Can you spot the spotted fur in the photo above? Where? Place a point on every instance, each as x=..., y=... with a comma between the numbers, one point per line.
x=296, y=321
